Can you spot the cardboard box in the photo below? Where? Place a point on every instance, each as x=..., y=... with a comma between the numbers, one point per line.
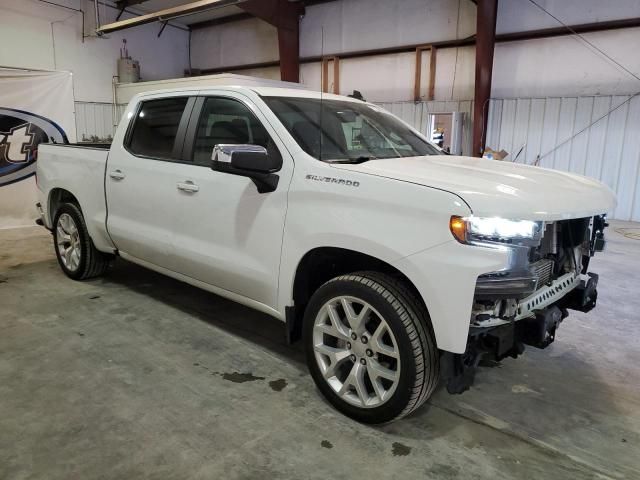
x=494, y=155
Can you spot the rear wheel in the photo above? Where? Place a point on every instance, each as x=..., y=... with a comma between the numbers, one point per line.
x=76, y=254
x=369, y=346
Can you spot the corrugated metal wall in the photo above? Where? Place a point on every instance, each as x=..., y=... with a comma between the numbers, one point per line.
x=609, y=150
x=94, y=121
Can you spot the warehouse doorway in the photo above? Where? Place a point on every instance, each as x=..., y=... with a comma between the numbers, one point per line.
x=445, y=130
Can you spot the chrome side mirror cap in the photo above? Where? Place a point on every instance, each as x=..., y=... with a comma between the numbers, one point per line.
x=225, y=152
x=251, y=161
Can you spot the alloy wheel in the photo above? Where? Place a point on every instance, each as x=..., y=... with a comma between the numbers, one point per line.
x=356, y=352
x=68, y=242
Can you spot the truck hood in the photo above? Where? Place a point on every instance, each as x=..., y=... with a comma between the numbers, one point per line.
x=497, y=188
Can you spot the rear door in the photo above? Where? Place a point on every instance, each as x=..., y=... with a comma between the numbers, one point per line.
x=143, y=173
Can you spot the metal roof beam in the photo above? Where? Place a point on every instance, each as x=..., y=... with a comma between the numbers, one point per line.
x=129, y=3
x=214, y=22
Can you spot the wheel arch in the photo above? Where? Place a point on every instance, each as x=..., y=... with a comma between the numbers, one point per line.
x=58, y=196
x=321, y=264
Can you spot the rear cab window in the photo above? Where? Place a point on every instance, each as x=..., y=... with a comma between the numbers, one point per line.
x=155, y=128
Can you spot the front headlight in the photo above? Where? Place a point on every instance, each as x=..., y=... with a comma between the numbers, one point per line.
x=492, y=229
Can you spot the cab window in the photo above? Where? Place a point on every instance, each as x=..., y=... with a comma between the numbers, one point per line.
x=155, y=128
x=225, y=121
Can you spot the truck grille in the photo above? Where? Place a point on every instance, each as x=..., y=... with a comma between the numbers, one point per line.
x=543, y=269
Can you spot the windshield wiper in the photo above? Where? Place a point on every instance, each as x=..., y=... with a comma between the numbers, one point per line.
x=360, y=159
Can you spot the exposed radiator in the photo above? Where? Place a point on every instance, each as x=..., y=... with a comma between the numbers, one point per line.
x=543, y=269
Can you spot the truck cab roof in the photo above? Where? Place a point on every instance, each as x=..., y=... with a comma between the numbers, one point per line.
x=266, y=91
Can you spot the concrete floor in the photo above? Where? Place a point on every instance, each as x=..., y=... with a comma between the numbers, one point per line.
x=138, y=376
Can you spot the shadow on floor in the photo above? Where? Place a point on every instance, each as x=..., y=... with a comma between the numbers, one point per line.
x=207, y=307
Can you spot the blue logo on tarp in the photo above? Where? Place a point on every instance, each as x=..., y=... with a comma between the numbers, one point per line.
x=20, y=134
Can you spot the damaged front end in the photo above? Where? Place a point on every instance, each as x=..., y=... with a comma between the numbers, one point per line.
x=525, y=303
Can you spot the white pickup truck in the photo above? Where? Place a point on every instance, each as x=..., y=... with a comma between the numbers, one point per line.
x=398, y=265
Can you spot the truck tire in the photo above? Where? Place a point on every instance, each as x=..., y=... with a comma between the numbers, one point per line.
x=77, y=256
x=370, y=346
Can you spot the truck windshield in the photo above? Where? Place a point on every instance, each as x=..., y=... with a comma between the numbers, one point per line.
x=343, y=131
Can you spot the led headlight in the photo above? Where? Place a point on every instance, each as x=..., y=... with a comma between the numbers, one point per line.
x=492, y=229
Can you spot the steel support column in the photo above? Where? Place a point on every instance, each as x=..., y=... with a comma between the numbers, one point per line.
x=285, y=16
x=485, y=42
x=289, y=51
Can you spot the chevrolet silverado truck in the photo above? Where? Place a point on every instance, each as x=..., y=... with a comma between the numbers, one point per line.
x=397, y=265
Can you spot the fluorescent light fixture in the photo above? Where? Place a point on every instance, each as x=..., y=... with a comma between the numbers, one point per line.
x=167, y=14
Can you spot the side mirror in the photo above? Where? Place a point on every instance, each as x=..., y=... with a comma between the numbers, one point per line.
x=251, y=161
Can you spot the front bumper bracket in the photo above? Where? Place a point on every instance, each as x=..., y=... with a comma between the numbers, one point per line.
x=584, y=297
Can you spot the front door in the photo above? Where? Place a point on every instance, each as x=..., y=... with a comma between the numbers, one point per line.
x=225, y=233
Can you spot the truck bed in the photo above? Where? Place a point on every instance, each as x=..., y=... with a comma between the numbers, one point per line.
x=99, y=146
x=102, y=146
x=77, y=168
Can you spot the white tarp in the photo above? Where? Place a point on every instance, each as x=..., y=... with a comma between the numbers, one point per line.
x=34, y=107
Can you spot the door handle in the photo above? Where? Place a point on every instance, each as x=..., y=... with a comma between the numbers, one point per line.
x=117, y=175
x=188, y=186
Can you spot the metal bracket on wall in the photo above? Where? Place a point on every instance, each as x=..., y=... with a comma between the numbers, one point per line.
x=164, y=24
x=336, y=74
x=432, y=72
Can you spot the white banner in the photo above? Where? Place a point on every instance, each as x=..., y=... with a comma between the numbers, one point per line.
x=35, y=107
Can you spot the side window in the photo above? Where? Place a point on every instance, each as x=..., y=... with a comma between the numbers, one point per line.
x=156, y=126
x=227, y=121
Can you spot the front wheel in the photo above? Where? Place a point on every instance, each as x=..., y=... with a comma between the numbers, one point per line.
x=77, y=256
x=370, y=347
